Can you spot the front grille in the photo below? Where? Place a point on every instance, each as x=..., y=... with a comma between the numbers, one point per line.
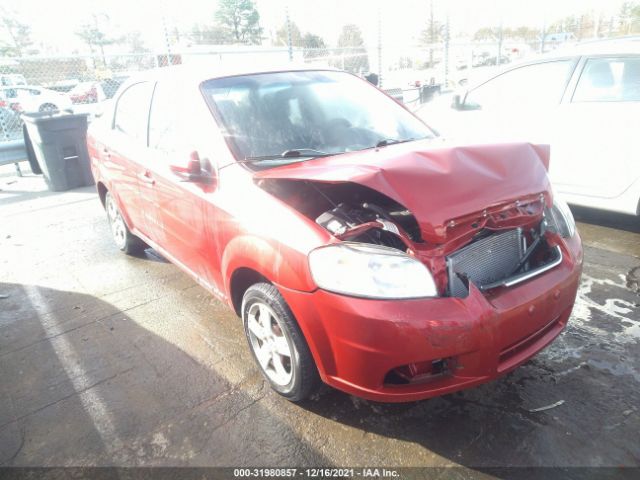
x=485, y=261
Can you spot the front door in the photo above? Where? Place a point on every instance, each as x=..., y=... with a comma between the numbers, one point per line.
x=177, y=216
x=517, y=105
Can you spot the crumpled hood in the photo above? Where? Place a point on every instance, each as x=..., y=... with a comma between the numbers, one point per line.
x=436, y=182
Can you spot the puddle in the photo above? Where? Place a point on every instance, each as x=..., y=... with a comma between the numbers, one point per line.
x=633, y=280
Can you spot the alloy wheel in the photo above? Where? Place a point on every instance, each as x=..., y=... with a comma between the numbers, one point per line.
x=270, y=343
x=118, y=227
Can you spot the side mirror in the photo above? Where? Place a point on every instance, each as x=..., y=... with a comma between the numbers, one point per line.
x=192, y=171
x=459, y=103
x=456, y=102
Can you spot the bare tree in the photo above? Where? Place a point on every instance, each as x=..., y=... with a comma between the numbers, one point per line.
x=353, y=52
x=314, y=46
x=95, y=36
x=18, y=34
x=282, y=35
x=629, y=18
x=433, y=33
x=208, y=35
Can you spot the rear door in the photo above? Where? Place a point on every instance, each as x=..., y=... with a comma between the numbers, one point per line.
x=596, y=152
x=123, y=150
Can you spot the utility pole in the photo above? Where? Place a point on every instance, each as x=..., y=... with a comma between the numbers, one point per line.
x=432, y=33
x=165, y=30
x=446, y=49
x=499, y=57
x=286, y=10
x=379, y=46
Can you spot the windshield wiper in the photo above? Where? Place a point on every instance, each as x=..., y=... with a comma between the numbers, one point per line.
x=293, y=153
x=391, y=141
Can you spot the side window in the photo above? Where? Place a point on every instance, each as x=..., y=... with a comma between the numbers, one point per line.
x=132, y=111
x=531, y=86
x=609, y=80
x=24, y=93
x=167, y=121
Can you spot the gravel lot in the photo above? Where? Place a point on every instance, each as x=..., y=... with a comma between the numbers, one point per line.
x=113, y=360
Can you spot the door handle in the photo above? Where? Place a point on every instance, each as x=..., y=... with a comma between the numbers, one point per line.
x=146, y=178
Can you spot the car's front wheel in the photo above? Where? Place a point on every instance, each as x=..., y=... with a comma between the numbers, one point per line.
x=277, y=344
x=124, y=239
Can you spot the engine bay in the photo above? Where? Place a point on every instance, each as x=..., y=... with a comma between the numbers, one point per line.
x=486, y=249
x=350, y=211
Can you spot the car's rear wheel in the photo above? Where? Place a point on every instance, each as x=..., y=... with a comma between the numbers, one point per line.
x=49, y=108
x=123, y=238
x=277, y=344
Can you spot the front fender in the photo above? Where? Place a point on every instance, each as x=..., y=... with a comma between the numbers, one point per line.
x=279, y=263
x=288, y=270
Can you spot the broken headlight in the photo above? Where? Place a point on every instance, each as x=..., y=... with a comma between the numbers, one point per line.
x=370, y=271
x=559, y=218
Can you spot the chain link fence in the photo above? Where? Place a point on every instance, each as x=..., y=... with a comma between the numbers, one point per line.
x=82, y=83
x=410, y=74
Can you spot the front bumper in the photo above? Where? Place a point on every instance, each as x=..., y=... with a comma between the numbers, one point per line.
x=356, y=342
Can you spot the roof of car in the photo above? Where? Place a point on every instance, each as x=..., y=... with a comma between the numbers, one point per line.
x=201, y=71
x=629, y=45
x=609, y=46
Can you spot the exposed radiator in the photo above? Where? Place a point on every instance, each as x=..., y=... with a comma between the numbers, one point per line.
x=485, y=261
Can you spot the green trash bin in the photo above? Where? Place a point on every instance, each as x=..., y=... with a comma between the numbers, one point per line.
x=59, y=141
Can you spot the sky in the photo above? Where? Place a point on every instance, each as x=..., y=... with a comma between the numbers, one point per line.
x=54, y=23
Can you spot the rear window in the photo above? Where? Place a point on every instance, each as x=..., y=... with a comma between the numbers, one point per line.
x=609, y=80
x=132, y=111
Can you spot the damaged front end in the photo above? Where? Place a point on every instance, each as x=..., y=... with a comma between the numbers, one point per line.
x=470, y=214
x=445, y=233
x=496, y=247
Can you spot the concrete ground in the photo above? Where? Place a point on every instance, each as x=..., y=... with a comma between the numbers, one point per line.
x=113, y=360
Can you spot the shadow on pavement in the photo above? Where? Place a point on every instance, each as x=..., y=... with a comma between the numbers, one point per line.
x=81, y=383
x=619, y=221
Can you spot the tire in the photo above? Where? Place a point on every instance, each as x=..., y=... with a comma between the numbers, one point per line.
x=281, y=351
x=48, y=107
x=123, y=238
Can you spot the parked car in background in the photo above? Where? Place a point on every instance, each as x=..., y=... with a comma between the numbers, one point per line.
x=356, y=246
x=31, y=99
x=584, y=101
x=12, y=79
x=491, y=60
x=95, y=91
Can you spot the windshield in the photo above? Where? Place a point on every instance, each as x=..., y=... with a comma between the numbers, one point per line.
x=309, y=112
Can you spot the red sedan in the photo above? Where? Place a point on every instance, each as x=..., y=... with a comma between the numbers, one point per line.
x=357, y=247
